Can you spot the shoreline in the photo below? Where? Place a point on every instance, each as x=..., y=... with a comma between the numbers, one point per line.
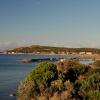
x=92, y=56
x=53, y=54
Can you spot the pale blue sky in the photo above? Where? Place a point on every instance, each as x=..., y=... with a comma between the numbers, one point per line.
x=69, y=23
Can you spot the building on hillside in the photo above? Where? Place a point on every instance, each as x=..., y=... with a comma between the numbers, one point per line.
x=89, y=53
x=82, y=53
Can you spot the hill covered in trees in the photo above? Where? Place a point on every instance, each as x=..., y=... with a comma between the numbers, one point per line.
x=56, y=50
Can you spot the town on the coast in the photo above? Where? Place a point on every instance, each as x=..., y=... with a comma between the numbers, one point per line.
x=90, y=53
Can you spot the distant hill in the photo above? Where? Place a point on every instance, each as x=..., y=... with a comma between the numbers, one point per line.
x=1, y=52
x=50, y=49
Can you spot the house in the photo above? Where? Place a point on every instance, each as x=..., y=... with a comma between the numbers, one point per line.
x=82, y=53
x=89, y=53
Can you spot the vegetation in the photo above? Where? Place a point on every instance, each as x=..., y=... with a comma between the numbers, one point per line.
x=69, y=80
x=96, y=64
x=56, y=50
x=43, y=73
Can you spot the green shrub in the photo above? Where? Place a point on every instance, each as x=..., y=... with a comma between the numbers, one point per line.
x=91, y=83
x=71, y=69
x=44, y=73
x=73, y=73
x=93, y=95
x=70, y=80
x=57, y=86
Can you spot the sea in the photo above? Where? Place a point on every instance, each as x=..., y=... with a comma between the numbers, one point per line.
x=12, y=72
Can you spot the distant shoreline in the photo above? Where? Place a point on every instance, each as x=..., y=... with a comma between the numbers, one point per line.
x=75, y=56
x=54, y=54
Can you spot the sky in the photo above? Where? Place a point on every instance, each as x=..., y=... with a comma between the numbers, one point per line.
x=68, y=23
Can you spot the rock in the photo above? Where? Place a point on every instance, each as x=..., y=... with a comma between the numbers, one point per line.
x=12, y=95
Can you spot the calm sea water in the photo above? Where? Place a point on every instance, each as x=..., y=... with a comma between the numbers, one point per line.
x=12, y=72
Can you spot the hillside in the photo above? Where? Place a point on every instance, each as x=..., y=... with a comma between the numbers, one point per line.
x=52, y=50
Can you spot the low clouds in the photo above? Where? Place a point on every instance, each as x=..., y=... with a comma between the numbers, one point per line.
x=11, y=45
x=7, y=45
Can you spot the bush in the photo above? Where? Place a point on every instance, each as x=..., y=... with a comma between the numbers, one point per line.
x=96, y=64
x=37, y=81
x=67, y=64
x=68, y=81
x=86, y=87
x=70, y=70
x=93, y=95
x=43, y=73
x=57, y=86
x=26, y=89
x=91, y=83
x=73, y=72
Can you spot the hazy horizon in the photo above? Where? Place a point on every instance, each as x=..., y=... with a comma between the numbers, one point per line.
x=64, y=23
